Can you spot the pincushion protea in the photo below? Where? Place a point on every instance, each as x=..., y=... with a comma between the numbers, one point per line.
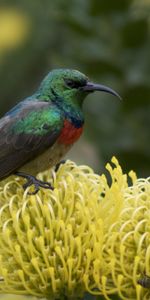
x=84, y=236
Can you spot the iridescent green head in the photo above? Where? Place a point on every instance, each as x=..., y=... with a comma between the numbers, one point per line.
x=69, y=85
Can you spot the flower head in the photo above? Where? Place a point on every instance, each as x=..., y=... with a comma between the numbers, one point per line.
x=14, y=29
x=85, y=235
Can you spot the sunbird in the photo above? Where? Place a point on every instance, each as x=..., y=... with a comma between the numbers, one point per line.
x=37, y=132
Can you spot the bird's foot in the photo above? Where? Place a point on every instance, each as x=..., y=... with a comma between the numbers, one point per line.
x=32, y=180
x=59, y=164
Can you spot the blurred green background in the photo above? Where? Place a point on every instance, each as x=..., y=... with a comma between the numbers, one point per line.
x=107, y=40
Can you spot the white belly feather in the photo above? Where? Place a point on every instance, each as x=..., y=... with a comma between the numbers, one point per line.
x=46, y=160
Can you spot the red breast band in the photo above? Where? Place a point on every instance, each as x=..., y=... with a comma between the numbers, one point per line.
x=69, y=134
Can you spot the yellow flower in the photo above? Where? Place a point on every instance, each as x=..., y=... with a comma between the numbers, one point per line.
x=14, y=28
x=85, y=235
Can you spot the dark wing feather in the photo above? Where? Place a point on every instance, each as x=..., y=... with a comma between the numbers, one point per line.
x=20, y=140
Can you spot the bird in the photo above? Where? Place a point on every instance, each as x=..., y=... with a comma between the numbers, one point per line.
x=38, y=131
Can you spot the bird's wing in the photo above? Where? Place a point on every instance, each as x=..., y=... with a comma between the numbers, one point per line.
x=27, y=132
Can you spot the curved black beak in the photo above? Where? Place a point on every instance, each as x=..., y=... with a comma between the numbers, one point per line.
x=91, y=87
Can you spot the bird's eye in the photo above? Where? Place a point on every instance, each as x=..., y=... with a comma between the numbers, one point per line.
x=74, y=84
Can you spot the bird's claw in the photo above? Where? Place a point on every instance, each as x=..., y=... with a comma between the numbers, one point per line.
x=37, y=184
x=31, y=180
x=59, y=164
